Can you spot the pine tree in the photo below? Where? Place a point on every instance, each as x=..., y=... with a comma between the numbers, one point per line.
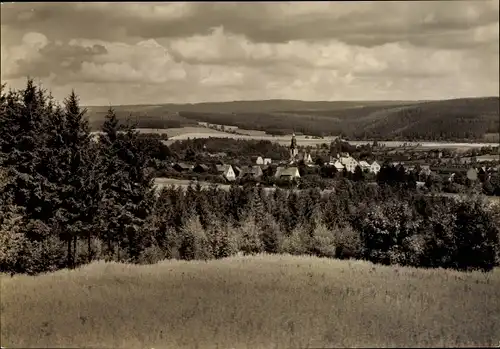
x=128, y=192
x=71, y=176
x=22, y=140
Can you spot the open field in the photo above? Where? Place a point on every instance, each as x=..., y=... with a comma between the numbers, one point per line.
x=161, y=182
x=175, y=134
x=250, y=302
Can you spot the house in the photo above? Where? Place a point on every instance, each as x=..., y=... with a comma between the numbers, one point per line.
x=374, y=167
x=267, y=161
x=237, y=171
x=306, y=157
x=203, y=124
x=251, y=172
x=182, y=167
x=201, y=168
x=349, y=163
x=230, y=128
x=338, y=166
x=287, y=173
x=226, y=171
x=364, y=165
x=259, y=160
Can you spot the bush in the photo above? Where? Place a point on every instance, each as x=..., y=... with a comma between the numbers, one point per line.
x=151, y=255
x=348, y=243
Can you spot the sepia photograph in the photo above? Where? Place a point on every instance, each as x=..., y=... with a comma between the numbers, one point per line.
x=233, y=175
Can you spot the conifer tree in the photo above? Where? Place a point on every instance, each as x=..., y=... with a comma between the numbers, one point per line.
x=128, y=188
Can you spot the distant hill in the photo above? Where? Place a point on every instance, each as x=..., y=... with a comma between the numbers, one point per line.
x=454, y=119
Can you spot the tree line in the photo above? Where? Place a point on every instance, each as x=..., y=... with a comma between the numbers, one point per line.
x=67, y=200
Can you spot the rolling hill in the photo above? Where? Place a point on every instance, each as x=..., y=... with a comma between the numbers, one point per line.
x=455, y=119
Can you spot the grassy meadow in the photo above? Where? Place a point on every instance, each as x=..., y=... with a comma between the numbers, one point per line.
x=264, y=301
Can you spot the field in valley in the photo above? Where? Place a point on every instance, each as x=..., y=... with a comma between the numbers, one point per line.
x=250, y=302
x=183, y=133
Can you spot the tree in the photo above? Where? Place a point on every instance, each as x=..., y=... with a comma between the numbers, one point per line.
x=358, y=174
x=128, y=192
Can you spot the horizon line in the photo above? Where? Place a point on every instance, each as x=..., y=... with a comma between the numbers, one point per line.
x=293, y=100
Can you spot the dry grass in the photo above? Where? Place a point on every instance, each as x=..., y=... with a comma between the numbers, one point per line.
x=250, y=302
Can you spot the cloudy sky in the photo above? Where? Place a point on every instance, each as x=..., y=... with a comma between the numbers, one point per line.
x=133, y=53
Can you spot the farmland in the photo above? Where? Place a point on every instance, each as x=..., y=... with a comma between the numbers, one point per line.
x=264, y=301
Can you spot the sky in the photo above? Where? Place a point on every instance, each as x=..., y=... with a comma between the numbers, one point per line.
x=147, y=53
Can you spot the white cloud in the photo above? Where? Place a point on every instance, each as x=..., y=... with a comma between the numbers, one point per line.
x=179, y=52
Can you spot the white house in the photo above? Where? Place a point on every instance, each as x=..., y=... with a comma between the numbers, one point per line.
x=349, y=163
x=374, y=167
x=267, y=161
x=226, y=171
x=306, y=157
x=259, y=161
x=364, y=165
x=338, y=166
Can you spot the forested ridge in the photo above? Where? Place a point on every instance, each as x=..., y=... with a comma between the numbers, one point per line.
x=446, y=120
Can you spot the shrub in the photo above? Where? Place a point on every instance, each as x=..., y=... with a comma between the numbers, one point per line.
x=348, y=243
x=151, y=255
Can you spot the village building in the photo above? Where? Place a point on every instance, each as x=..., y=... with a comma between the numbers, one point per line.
x=182, y=167
x=306, y=157
x=365, y=167
x=254, y=172
x=237, y=171
x=374, y=167
x=259, y=160
x=226, y=171
x=338, y=166
x=201, y=168
x=349, y=163
x=287, y=173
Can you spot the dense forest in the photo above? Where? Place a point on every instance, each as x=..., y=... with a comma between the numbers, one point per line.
x=66, y=200
x=447, y=120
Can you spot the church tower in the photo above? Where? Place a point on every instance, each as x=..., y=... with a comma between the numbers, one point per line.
x=293, y=148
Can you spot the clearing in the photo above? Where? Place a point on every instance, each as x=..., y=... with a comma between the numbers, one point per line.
x=264, y=301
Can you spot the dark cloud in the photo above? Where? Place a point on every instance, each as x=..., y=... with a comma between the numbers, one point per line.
x=367, y=24
x=194, y=51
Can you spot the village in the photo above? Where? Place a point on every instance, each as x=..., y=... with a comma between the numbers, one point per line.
x=304, y=163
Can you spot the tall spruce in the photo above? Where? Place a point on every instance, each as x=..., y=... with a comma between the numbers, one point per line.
x=128, y=193
x=71, y=176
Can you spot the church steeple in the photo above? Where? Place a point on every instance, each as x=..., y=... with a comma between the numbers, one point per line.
x=293, y=148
